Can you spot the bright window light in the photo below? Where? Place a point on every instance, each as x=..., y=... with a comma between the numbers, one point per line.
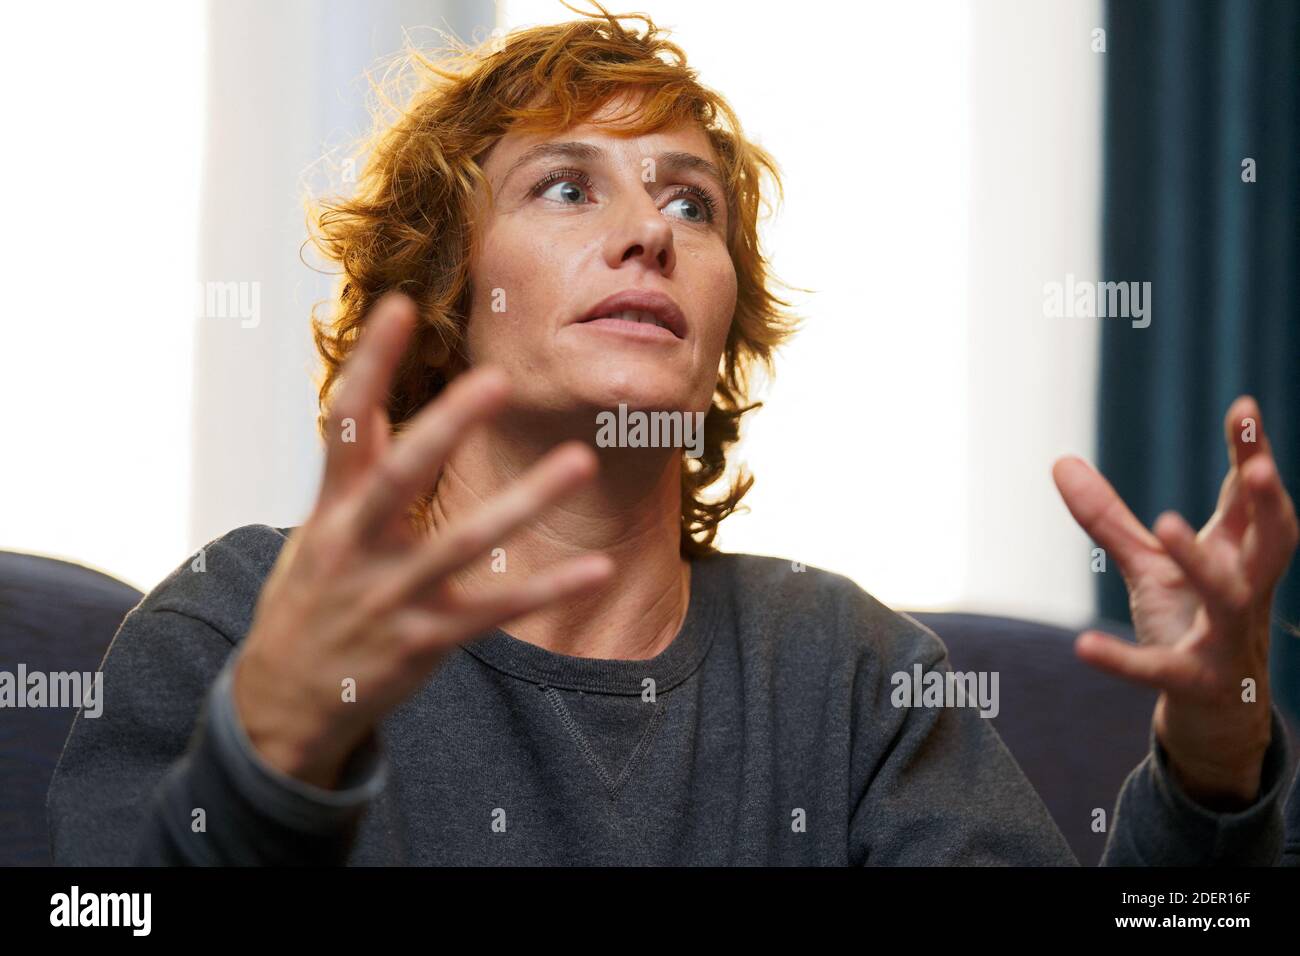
x=103, y=110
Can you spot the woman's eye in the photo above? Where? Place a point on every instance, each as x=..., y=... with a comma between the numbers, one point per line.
x=695, y=210
x=566, y=191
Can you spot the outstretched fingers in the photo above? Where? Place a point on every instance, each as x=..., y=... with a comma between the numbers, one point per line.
x=1243, y=431
x=357, y=417
x=1216, y=578
x=427, y=634
x=557, y=475
x=415, y=457
x=1243, y=435
x=1102, y=514
x=1158, y=666
x=1274, y=533
x=505, y=602
x=1254, y=507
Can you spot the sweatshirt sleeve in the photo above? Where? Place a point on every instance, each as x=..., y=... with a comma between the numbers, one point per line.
x=165, y=775
x=258, y=816
x=1291, y=848
x=1157, y=824
x=942, y=789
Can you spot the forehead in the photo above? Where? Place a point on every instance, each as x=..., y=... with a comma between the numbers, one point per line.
x=607, y=131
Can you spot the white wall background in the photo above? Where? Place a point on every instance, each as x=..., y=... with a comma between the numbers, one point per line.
x=286, y=86
x=1031, y=381
x=941, y=161
x=100, y=171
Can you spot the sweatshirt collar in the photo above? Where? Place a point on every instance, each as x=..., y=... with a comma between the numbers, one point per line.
x=670, y=667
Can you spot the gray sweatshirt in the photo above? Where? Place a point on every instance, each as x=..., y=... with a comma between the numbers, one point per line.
x=769, y=732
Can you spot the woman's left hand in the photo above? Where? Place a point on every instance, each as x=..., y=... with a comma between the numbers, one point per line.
x=1201, y=606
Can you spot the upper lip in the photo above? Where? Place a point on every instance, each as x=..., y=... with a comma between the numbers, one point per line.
x=661, y=306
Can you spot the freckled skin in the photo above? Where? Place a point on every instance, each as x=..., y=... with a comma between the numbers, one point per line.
x=558, y=252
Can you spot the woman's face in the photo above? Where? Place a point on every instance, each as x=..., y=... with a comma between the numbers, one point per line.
x=584, y=215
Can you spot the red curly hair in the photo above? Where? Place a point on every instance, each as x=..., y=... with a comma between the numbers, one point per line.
x=407, y=223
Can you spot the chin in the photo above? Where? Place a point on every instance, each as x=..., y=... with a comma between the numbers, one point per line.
x=634, y=385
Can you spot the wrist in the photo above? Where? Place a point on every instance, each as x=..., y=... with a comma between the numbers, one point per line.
x=1215, y=750
x=1228, y=781
x=1222, y=791
x=289, y=738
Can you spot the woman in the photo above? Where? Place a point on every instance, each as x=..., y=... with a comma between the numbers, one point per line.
x=502, y=636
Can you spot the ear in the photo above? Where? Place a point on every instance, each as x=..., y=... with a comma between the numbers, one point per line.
x=434, y=350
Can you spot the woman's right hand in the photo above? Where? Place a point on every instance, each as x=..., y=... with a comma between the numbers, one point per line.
x=358, y=594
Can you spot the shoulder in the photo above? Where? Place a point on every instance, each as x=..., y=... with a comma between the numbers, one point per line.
x=219, y=582
x=796, y=611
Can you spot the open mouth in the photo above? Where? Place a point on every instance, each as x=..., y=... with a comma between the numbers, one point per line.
x=652, y=314
x=634, y=317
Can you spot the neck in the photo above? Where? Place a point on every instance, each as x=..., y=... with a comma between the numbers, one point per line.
x=631, y=511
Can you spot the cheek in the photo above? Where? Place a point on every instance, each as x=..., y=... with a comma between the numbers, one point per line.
x=720, y=294
x=716, y=293
x=513, y=285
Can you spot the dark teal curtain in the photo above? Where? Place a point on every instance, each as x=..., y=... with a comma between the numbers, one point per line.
x=1193, y=89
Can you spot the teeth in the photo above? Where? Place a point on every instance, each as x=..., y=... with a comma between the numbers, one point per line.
x=631, y=315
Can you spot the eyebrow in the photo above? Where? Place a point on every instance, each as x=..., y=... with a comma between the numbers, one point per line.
x=674, y=160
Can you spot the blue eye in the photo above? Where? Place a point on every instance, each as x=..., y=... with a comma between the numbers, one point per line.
x=701, y=211
x=567, y=189
x=570, y=184
x=571, y=187
x=706, y=207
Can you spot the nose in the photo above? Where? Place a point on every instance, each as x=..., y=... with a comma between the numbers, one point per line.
x=641, y=235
